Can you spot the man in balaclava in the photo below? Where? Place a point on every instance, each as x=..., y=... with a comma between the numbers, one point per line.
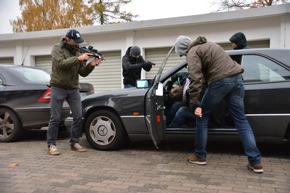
x=132, y=64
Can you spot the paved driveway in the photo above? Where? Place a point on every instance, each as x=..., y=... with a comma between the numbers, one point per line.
x=26, y=167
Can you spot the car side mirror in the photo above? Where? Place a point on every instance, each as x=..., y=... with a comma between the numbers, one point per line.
x=142, y=83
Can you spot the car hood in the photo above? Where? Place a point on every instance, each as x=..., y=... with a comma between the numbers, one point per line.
x=118, y=92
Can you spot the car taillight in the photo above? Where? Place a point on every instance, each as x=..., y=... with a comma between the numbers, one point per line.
x=45, y=98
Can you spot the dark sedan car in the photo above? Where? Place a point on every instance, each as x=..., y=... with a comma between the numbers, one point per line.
x=140, y=113
x=25, y=100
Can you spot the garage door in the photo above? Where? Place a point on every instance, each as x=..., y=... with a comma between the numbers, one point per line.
x=157, y=55
x=108, y=75
x=105, y=77
x=6, y=60
x=251, y=44
x=43, y=62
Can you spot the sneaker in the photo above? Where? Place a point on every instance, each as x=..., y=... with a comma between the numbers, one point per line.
x=52, y=150
x=196, y=160
x=77, y=147
x=257, y=168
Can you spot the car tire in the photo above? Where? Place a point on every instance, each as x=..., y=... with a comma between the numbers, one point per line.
x=104, y=130
x=10, y=126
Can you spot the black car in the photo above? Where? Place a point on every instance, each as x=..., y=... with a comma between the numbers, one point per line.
x=25, y=100
x=86, y=89
x=140, y=113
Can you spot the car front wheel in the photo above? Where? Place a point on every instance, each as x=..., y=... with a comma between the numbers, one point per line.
x=10, y=126
x=104, y=130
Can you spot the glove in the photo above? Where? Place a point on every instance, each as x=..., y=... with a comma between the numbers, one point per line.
x=147, y=65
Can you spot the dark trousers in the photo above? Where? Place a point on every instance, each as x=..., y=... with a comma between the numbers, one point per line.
x=58, y=96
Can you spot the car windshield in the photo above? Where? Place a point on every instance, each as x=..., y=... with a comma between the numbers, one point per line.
x=160, y=70
x=33, y=74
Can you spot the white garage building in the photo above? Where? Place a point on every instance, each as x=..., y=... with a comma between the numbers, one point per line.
x=264, y=27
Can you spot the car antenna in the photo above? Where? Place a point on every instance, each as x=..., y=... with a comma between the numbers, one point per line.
x=25, y=56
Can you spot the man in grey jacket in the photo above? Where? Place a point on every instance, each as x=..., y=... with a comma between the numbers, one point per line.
x=208, y=63
x=67, y=64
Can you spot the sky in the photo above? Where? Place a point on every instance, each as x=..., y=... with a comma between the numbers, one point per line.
x=146, y=9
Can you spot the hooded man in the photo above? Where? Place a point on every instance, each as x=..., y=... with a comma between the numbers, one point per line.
x=132, y=64
x=209, y=64
x=239, y=41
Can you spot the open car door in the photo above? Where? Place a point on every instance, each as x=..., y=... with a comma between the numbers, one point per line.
x=155, y=118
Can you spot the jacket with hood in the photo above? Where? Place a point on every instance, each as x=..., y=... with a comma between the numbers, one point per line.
x=66, y=67
x=207, y=63
x=240, y=40
x=132, y=68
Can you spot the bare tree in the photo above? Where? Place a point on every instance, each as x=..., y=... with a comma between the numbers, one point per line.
x=231, y=5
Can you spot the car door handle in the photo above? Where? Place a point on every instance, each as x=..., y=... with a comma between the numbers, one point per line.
x=160, y=107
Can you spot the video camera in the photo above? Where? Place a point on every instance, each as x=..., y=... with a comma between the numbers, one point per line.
x=95, y=53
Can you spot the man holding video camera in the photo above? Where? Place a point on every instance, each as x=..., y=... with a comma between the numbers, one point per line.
x=132, y=64
x=67, y=64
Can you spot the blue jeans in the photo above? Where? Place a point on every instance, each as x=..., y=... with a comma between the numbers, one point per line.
x=58, y=95
x=173, y=110
x=231, y=89
x=184, y=116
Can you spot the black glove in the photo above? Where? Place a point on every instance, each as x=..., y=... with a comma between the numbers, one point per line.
x=147, y=65
x=169, y=85
x=174, y=78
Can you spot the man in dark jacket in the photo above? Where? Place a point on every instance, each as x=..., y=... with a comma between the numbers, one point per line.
x=209, y=64
x=239, y=41
x=132, y=64
x=67, y=64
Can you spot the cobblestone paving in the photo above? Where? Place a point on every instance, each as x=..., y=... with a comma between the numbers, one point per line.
x=25, y=167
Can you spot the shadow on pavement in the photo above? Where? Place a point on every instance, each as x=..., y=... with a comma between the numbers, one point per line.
x=40, y=135
x=227, y=145
x=216, y=144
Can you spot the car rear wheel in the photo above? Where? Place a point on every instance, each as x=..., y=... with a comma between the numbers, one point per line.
x=104, y=130
x=10, y=126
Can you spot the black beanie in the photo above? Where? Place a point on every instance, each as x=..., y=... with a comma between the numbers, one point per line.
x=135, y=50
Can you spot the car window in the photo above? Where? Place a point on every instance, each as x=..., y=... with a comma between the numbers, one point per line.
x=33, y=74
x=260, y=69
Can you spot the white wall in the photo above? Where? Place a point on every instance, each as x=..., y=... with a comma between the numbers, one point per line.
x=271, y=23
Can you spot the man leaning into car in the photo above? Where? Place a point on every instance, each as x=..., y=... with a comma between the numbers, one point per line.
x=208, y=61
x=67, y=64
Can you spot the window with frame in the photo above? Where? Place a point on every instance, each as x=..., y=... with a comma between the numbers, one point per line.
x=260, y=69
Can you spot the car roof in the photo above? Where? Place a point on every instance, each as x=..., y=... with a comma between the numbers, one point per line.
x=13, y=77
x=280, y=54
x=14, y=65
